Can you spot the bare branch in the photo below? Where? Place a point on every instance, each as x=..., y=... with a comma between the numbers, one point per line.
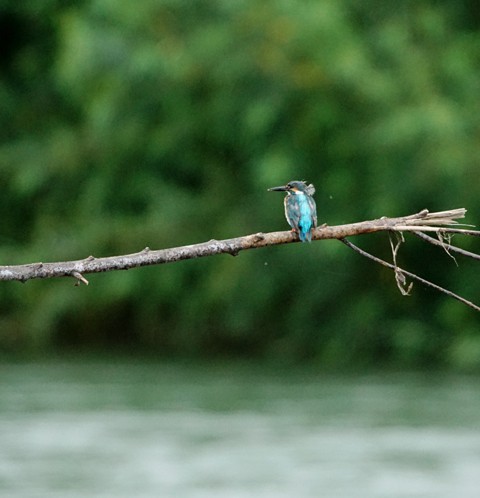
x=424, y=217
x=409, y=274
x=213, y=247
x=441, y=222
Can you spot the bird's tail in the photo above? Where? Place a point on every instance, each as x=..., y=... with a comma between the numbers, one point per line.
x=305, y=236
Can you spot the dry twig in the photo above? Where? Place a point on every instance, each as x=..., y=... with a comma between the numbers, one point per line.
x=447, y=247
x=411, y=275
x=399, y=275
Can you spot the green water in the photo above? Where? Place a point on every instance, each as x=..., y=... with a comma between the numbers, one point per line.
x=153, y=430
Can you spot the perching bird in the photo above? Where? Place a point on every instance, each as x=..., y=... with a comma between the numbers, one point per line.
x=300, y=208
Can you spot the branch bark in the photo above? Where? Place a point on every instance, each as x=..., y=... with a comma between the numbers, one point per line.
x=440, y=222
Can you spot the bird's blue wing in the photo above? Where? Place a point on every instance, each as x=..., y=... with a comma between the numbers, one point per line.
x=292, y=211
x=313, y=208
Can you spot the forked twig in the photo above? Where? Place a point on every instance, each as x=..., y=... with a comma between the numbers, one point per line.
x=399, y=276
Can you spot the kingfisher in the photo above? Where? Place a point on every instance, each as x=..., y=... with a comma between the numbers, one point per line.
x=300, y=208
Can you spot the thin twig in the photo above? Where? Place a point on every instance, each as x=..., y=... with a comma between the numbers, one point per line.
x=423, y=228
x=447, y=247
x=409, y=274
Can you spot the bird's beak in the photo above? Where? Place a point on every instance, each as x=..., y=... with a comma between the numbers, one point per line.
x=278, y=189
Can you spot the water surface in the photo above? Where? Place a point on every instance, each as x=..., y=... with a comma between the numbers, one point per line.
x=122, y=429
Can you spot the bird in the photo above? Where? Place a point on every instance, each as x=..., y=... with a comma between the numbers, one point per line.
x=300, y=207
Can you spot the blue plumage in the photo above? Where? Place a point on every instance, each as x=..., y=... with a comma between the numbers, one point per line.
x=300, y=208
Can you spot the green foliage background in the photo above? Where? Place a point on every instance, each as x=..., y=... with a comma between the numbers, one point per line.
x=163, y=122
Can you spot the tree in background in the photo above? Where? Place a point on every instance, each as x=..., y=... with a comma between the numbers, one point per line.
x=163, y=124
